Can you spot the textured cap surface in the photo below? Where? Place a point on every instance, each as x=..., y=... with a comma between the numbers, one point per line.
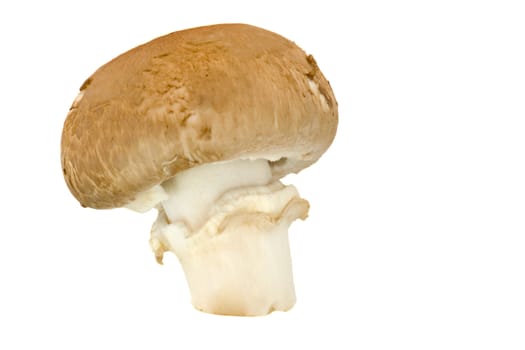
x=200, y=95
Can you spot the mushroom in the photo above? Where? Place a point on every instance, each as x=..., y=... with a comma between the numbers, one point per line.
x=202, y=124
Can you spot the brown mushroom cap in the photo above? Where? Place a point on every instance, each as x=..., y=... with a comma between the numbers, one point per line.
x=196, y=96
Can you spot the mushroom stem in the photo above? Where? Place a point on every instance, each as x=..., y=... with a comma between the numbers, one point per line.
x=228, y=226
x=243, y=271
x=238, y=262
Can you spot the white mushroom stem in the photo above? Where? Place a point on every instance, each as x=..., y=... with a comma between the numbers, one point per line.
x=232, y=237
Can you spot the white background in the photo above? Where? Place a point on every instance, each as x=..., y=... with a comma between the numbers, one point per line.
x=415, y=238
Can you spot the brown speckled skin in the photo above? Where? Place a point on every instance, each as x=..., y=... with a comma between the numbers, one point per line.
x=195, y=96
